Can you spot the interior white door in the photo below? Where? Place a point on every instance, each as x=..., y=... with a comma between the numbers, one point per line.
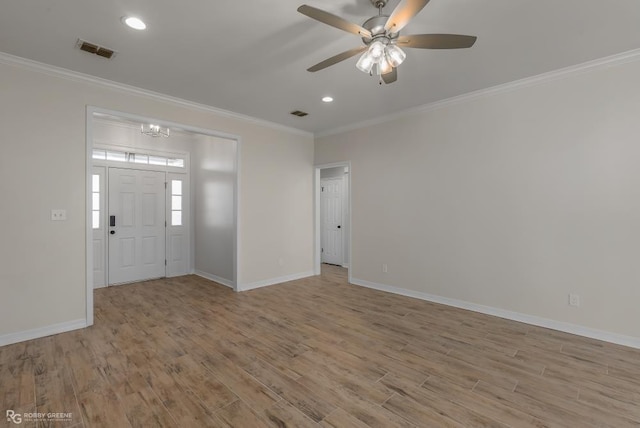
x=136, y=225
x=331, y=205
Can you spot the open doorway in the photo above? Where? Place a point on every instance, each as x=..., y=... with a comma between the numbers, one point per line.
x=159, y=206
x=333, y=216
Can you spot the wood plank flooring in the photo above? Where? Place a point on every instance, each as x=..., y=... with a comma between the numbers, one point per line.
x=186, y=352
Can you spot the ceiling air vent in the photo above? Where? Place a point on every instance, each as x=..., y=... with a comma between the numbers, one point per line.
x=95, y=49
x=299, y=113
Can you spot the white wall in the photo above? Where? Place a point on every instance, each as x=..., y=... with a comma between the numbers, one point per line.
x=42, y=263
x=510, y=200
x=214, y=179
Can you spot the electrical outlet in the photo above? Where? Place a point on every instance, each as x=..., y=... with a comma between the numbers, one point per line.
x=384, y=268
x=58, y=215
x=574, y=300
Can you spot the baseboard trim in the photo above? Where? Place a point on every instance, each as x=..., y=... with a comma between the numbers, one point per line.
x=37, y=333
x=619, y=339
x=214, y=278
x=274, y=281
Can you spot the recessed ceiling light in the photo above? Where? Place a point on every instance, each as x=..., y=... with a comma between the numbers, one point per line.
x=133, y=22
x=327, y=99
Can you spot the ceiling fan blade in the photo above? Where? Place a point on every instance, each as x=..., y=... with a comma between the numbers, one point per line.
x=391, y=76
x=334, y=21
x=336, y=59
x=436, y=41
x=403, y=13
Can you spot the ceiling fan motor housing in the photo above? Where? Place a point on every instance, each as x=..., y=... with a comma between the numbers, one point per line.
x=376, y=26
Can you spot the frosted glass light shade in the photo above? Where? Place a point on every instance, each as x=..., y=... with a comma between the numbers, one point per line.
x=384, y=66
x=365, y=63
x=395, y=55
x=376, y=50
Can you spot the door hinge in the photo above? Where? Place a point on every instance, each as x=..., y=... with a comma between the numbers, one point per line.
x=322, y=250
x=165, y=185
x=165, y=262
x=165, y=223
x=322, y=189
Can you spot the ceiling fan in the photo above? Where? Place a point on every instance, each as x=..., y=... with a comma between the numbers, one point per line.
x=382, y=51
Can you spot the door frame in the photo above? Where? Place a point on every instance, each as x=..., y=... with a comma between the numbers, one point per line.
x=317, y=229
x=90, y=112
x=108, y=165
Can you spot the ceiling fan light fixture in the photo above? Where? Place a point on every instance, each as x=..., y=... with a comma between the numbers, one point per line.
x=381, y=34
x=365, y=63
x=395, y=55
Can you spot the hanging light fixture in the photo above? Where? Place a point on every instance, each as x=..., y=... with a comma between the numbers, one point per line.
x=154, y=130
x=385, y=57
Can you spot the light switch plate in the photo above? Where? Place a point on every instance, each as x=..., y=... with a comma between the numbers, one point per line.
x=58, y=215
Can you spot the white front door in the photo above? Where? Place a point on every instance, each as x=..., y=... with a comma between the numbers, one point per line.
x=136, y=225
x=331, y=205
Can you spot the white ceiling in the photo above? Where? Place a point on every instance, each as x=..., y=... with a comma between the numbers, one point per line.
x=251, y=56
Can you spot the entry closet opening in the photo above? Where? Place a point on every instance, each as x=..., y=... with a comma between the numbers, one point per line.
x=333, y=216
x=159, y=206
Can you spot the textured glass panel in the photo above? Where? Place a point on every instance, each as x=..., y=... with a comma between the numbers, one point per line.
x=96, y=219
x=138, y=158
x=176, y=187
x=117, y=156
x=157, y=160
x=176, y=218
x=176, y=162
x=95, y=184
x=96, y=201
x=176, y=202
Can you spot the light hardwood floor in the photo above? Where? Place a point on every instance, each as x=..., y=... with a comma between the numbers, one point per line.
x=187, y=352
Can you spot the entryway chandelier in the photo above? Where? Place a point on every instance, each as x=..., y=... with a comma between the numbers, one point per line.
x=154, y=130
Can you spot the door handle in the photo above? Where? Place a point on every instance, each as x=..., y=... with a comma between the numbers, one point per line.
x=339, y=227
x=112, y=221
x=113, y=232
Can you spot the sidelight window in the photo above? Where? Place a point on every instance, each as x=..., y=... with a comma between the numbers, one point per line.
x=176, y=202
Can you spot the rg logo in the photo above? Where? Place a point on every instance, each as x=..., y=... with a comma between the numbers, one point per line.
x=14, y=417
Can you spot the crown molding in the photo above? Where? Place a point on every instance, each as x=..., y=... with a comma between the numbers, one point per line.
x=609, y=61
x=64, y=73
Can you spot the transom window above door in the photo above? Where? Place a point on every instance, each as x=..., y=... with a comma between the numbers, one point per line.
x=139, y=158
